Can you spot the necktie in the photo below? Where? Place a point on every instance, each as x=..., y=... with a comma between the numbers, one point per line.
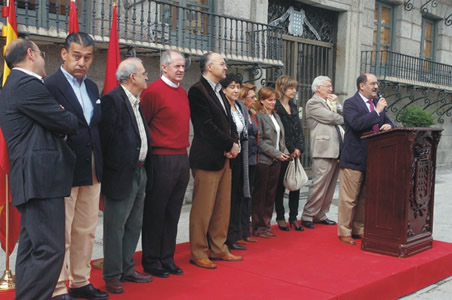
x=372, y=108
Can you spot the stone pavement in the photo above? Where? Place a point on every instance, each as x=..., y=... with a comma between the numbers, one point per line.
x=442, y=231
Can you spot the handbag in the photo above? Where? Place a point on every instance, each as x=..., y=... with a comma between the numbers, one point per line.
x=295, y=176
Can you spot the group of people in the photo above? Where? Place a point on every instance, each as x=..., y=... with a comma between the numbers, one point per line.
x=67, y=147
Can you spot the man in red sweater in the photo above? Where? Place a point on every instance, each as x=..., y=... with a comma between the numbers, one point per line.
x=166, y=111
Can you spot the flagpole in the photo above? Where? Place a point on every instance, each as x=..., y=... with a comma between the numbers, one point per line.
x=7, y=282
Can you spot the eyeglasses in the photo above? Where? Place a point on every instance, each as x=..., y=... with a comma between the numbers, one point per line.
x=42, y=53
x=145, y=74
x=327, y=86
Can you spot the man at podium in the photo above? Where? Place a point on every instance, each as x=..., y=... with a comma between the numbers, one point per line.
x=363, y=113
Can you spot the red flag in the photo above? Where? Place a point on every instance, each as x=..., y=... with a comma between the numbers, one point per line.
x=73, y=19
x=10, y=32
x=113, y=57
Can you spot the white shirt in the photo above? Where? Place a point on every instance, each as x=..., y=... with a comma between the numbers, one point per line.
x=28, y=72
x=169, y=82
x=216, y=87
x=278, y=130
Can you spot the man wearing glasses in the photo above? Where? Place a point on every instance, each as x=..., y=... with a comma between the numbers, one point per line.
x=324, y=122
x=42, y=167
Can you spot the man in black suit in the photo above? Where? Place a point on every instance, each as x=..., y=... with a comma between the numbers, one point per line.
x=125, y=144
x=363, y=112
x=79, y=95
x=214, y=143
x=42, y=166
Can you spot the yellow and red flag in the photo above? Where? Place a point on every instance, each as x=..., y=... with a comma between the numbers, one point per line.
x=73, y=19
x=10, y=33
x=113, y=57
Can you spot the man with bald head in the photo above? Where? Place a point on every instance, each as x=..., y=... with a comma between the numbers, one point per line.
x=126, y=149
x=363, y=113
x=214, y=144
x=35, y=128
x=166, y=112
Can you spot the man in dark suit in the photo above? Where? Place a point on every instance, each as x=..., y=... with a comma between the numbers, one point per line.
x=362, y=113
x=42, y=167
x=214, y=143
x=125, y=144
x=79, y=95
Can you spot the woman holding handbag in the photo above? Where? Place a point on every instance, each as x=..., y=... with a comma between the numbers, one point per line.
x=286, y=88
x=272, y=151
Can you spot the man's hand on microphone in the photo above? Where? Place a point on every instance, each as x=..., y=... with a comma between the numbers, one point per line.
x=381, y=104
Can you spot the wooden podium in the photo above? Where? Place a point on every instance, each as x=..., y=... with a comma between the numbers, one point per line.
x=400, y=189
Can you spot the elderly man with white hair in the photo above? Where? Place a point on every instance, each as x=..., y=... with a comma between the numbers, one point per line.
x=126, y=149
x=324, y=122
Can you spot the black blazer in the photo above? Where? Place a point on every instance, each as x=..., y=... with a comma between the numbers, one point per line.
x=121, y=143
x=34, y=126
x=87, y=140
x=358, y=120
x=214, y=130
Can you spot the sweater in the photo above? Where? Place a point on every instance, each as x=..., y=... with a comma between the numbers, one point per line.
x=167, y=113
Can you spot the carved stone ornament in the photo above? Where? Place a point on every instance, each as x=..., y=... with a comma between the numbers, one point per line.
x=302, y=20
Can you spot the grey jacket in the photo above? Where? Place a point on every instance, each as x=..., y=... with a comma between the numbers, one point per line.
x=267, y=139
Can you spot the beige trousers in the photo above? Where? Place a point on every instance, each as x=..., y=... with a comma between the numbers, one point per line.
x=81, y=212
x=351, y=202
x=209, y=215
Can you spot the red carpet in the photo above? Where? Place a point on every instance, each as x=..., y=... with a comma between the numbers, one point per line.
x=302, y=265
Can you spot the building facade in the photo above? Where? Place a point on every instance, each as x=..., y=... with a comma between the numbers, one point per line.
x=407, y=44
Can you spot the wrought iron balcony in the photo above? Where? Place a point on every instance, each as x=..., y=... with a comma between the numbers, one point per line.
x=407, y=69
x=157, y=25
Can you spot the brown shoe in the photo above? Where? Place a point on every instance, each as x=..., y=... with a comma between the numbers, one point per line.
x=263, y=235
x=347, y=240
x=270, y=233
x=203, y=263
x=250, y=240
x=137, y=277
x=228, y=257
x=114, y=286
x=241, y=242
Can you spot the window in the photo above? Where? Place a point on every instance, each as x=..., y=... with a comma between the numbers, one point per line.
x=428, y=39
x=383, y=24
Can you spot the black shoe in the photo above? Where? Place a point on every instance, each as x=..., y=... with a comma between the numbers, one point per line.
x=157, y=272
x=308, y=224
x=173, y=269
x=63, y=297
x=327, y=222
x=282, y=225
x=295, y=225
x=88, y=292
x=235, y=246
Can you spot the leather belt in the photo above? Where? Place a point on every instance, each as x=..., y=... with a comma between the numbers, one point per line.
x=140, y=164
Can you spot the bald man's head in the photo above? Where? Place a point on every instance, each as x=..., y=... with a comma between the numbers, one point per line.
x=16, y=52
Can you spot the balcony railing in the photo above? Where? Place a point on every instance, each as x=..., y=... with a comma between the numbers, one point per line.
x=410, y=69
x=157, y=25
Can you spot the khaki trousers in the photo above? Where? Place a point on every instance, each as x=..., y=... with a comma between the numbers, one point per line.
x=81, y=212
x=351, y=202
x=325, y=172
x=209, y=215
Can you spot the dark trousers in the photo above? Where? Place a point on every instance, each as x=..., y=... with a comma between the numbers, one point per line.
x=162, y=207
x=264, y=196
x=123, y=219
x=239, y=224
x=40, y=254
x=294, y=197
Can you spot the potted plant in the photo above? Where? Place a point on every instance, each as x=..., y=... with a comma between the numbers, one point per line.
x=414, y=116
